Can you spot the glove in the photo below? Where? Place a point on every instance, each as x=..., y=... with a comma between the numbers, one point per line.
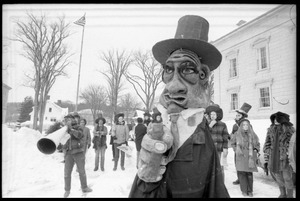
x=266, y=168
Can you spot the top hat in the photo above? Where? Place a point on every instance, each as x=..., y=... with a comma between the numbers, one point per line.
x=191, y=34
x=244, y=109
x=215, y=108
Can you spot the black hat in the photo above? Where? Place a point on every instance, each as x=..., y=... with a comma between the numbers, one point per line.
x=215, y=108
x=191, y=34
x=244, y=109
x=154, y=115
x=119, y=115
x=100, y=118
x=281, y=118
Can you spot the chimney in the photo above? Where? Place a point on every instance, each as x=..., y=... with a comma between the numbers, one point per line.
x=241, y=22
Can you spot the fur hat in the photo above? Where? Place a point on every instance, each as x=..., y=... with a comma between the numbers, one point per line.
x=215, y=108
x=244, y=109
x=191, y=34
x=281, y=118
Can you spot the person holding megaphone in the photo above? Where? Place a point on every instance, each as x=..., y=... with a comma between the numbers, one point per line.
x=74, y=149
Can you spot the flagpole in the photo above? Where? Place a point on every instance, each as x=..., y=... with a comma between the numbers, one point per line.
x=79, y=70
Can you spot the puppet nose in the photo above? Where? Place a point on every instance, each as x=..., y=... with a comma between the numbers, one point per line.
x=176, y=85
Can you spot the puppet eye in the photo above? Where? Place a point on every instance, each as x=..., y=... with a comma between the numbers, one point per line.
x=168, y=69
x=202, y=75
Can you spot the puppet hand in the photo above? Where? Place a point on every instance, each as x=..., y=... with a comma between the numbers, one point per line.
x=155, y=146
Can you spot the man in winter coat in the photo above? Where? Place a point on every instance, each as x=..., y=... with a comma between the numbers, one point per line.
x=276, y=152
x=218, y=131
x=241, y=114
x=120, y=134
x=191, y=167
x=74, y=149
x=139, y=131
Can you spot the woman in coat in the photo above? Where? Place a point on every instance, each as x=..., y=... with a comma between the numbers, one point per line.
x=276, y=152
x=99, y=140
x=219, y=132
x=247, y=146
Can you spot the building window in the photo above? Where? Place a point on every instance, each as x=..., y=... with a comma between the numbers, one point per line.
x=264, y=99
x=50, y=109
x=262, y=58
x=234, y=101
x=261, y=46
x=232, y=58
x=232, y=69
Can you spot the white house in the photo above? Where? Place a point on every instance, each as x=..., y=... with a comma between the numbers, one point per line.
x=259, y=66
x=53, y=112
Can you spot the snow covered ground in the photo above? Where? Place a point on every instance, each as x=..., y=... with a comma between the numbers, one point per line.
x=26, y=172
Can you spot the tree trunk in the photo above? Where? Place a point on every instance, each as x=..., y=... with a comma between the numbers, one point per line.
x=35, y=110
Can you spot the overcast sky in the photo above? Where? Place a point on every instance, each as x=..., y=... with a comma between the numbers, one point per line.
x=127, y=27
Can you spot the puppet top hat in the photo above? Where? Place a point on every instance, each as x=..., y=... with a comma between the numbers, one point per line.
x=191, y=34
x=244, y=109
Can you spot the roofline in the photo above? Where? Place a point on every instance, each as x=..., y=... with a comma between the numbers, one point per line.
x=250, y=23
x=6, y=86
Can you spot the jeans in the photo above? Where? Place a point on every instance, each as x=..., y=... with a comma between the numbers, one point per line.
x=100, y=152
x=70, y=160
x=117, y=155
x=246, y=181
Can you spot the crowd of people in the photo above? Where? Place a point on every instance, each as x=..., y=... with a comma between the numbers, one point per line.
x=279, y=147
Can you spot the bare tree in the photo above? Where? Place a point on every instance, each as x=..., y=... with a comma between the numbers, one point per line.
x=129, y=103
x=118, y=63
x=43, y=44
x=146, y=82
x=95, y=96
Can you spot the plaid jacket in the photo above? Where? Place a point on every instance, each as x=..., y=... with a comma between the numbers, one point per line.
x=219, y=134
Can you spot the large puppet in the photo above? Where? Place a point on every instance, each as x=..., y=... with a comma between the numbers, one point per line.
x=190, y=167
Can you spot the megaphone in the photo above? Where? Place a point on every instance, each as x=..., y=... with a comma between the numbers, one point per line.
x=49, y=143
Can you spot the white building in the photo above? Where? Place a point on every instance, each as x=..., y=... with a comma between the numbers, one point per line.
x=53, y=112
x=259, y=66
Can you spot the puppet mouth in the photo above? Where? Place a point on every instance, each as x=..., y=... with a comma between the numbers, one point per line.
x=178, y=99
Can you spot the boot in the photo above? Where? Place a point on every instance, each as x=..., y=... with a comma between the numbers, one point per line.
x=282, y=192
x=87, y=190
x=96, y=168
x=116, y=165
x=67, y=193
x=236, y=182
x=289, y=193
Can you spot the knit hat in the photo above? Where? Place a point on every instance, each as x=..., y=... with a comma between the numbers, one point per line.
x=154, y=115
x=147, y=114
x=215, y=108
x=242, y=120
x=118, y=115
x=281, y=118
x=76, y=115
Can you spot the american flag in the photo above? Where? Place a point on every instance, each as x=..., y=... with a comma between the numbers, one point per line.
x=81, y=21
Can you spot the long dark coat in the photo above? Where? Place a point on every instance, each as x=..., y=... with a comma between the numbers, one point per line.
x=140, y=130
x=195, y=172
